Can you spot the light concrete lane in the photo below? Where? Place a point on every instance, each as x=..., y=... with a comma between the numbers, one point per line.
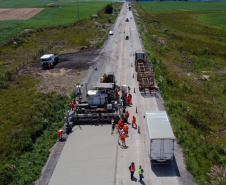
x=89, y=157
x=136, y=150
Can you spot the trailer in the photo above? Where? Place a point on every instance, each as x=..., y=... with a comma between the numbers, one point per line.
x=145, y=75
x=160, y=137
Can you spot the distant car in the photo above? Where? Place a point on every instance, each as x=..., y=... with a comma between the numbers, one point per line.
x=130, y=17
x=127, y=37
x=127, y=20
x=111, y=33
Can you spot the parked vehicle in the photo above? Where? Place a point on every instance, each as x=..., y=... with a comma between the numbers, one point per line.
x=49, y=60
x=160, y=137
x=111, y=33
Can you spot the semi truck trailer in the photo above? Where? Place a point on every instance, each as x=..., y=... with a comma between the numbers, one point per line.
x=160, y=137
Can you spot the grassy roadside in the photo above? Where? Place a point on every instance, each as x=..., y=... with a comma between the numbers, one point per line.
x=181, y=48
x=30, y=119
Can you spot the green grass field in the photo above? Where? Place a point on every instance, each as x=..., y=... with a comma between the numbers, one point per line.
x=168, y=6
x=181, y=47
x=215, y=19
x=214, y=13
x=57, y=13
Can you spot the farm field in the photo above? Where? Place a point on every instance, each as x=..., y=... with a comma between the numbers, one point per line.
x=54, y=13
x=30, y=109
x=188, y=53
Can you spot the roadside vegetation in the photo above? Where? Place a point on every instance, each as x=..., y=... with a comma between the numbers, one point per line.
x=188, y=59
x=30, y=119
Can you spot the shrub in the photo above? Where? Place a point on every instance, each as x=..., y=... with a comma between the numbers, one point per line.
x=108, y=9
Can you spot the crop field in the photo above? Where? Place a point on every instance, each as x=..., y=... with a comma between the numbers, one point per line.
x=189, y=62
x=54, y=13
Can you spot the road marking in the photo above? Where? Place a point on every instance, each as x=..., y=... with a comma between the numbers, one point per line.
x=56, y=149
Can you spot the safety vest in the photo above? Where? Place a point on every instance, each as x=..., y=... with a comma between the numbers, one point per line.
x=140, y=171
x=132, y=169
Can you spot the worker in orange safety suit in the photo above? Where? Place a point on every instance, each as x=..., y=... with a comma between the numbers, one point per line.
x=72, y=106
x=125, y=128
x=129, y=99
x=123, y=138
x=127, y=115
x=60, y=132
x=134, y=121
x=120, y=123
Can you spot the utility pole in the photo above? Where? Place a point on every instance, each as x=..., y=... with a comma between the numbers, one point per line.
x=78, y=11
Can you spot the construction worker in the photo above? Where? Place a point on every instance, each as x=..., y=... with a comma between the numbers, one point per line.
x=127, y=116
x=141, y=171
x=72, y=106
x=60, y=132
x=125, y=128
x=49, y=66
x=123, y=138
x=132, y=169
x=74, y=101
x=128, y=89
x=134, y=121
x=120, y=123
x=130, y=98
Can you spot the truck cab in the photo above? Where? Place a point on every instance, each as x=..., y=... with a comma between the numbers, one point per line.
x=49, y=60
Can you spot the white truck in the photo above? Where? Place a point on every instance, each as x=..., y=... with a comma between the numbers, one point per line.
x=160, y=137
x=49, y=60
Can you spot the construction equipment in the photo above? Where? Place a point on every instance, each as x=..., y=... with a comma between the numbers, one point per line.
x=145, y=76
x=108, y=78
x=101, y=105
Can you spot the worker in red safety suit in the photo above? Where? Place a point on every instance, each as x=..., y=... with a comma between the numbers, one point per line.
x=60, y=132
x=125, y=128
x=72, y=106
x=134, y=121
x=127, y=115
x=123, y=138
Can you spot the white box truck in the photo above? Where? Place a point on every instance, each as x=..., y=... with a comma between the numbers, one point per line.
x=160, y=137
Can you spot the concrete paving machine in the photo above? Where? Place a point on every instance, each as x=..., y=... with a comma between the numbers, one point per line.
x=101, y=106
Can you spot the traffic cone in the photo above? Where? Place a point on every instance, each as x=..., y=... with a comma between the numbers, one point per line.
x=136, y=110
x=138, y=129
x=133, y=75
x=134, y=90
